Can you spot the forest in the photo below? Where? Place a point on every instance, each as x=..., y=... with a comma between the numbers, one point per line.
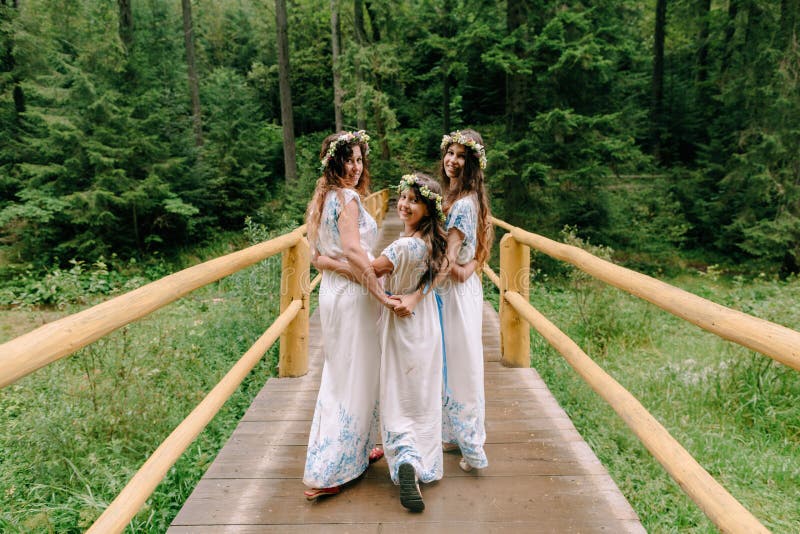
x=655, y=128
x=138, y=137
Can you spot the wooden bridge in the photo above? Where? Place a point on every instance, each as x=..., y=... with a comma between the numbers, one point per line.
x=542, y=476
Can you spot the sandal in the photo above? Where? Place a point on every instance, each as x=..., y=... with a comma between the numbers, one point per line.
x=410, y=496
x=315, y=493
x=464, y=465
x=375, y=455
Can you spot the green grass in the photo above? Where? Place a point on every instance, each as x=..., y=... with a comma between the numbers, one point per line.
x=736, y=412
x=74, y=432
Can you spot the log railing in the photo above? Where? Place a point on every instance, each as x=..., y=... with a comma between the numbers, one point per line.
x=29, y=352
x=516, y=312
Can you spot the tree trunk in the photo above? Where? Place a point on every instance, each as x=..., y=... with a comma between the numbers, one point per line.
x=658, y=76
x=361, y=32
x=373, y=17
x=445, y=100
x=8, y=63
x=702, y=38
x=125, y=23
x=337, y=76
x=287, y=120
x=361, y=39
x=516, y=17
x=789, y=21
x=194, y=90
x=733, y=9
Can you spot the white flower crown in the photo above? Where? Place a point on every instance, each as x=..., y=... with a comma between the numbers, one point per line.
x=468, y=142
x=349, y=138
x=409, y=180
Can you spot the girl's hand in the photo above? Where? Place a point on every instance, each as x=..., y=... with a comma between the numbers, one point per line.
x=406, y=303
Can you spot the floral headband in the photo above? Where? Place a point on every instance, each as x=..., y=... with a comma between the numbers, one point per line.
x=468, y=142
x=409, y=180
x=349, y=138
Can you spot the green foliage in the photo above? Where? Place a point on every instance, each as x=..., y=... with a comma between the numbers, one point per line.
x=736, y=412
x=90, y=420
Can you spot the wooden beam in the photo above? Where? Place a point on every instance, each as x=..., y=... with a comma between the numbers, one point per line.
x=515, y=334
x=27, y=353
x=120, y=512
x=773, y=340
x=720, y=507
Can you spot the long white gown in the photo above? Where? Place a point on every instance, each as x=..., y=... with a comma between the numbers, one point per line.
x=463, y=404
x=345, y=424
x=411, y=370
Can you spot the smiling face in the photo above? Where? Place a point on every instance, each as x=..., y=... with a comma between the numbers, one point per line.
x=411, y=209
x=353, y=167
x=454, y=160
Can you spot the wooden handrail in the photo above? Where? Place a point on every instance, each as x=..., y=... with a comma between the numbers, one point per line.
x=491, y=274
x=725, y=511
x=46, y=344
x=773, y=340
x=126, y=505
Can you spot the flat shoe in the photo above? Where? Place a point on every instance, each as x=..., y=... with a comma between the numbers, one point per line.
x=410, y=496
x=449, y=447
x=315, y=493
x=375, y=455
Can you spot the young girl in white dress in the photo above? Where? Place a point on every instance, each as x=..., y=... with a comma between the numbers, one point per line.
x=411, y=346
x=469, y=240
x=345, y=425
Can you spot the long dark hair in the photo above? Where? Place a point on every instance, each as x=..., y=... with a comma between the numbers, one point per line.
x=471, y=181
x=431, y=229
x=332, y=179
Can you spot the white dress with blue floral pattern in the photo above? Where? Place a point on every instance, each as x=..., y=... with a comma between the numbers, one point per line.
x=345, y=424
x=411, y=370
x=463, y=410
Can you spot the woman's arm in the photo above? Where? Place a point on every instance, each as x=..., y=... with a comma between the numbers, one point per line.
x=382, y=266
x=356, y=257
x=326, y=263
x=460, y=273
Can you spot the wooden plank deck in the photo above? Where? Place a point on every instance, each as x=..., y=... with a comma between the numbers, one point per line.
x=542, y=477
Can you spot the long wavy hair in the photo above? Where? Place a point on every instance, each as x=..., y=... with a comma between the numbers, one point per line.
x=471, y=181
x=431, y=229
x=332, y=179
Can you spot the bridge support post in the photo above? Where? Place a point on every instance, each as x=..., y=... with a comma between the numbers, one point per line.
x=295, y=285
x=515, y=337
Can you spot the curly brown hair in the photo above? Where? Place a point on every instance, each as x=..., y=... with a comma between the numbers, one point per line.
x=332, y=179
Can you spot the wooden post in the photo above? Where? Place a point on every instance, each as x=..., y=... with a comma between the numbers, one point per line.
x=295, y=285
x=515, y=337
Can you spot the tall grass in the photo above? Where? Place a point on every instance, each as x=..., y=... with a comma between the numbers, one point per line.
x=735, y=411
x=74, y=432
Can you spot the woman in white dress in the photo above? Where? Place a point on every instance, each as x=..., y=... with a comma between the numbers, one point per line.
x=411, y=347
x=469, y=240
x=345, y=425
x=469, y=236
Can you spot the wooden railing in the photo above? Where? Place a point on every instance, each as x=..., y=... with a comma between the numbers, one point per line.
x=29, y=352
x=516, y=313
x=63, y=337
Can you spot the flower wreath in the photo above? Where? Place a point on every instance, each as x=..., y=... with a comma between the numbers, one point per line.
x=409, y=180
x=349, y=138
x=468, y=142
